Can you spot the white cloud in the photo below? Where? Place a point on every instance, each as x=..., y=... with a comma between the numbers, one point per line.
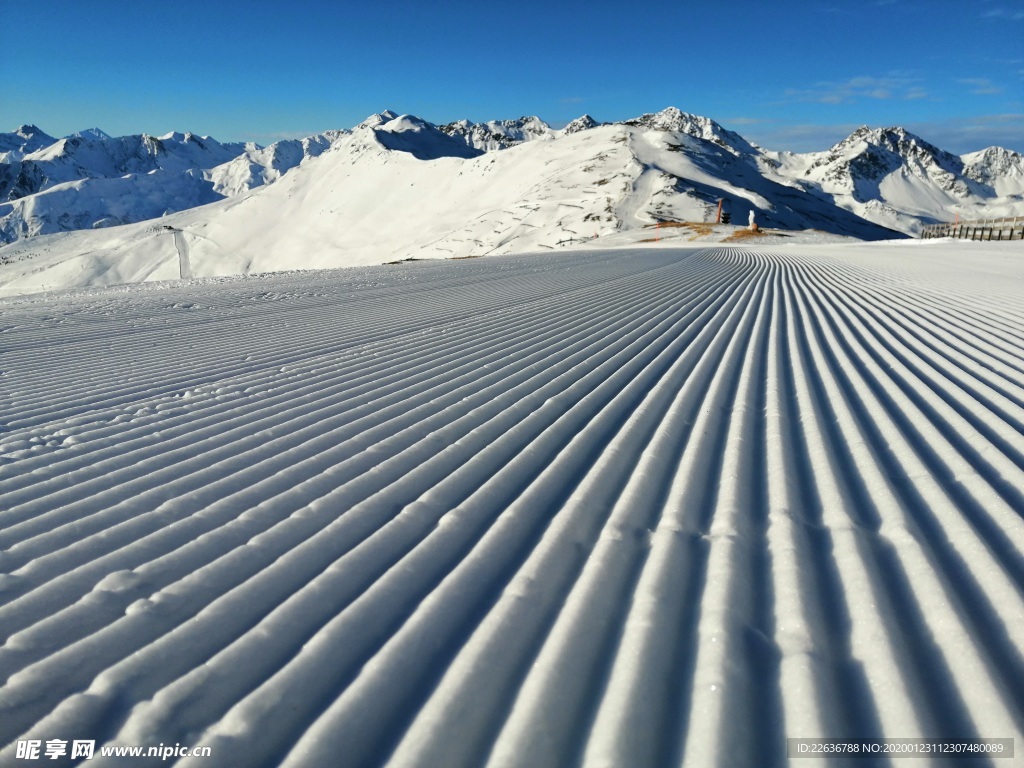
x=981, y=85
x=1003, y=13
x=895, y=85
x=801, y=137
x=969, y=134
x=747, y=121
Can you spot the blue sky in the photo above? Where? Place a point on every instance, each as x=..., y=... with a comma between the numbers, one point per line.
x=788, y=75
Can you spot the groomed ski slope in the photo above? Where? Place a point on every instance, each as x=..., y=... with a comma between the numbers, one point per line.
x=611, y=508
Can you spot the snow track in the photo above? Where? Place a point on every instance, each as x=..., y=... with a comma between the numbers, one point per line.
x=641, y=508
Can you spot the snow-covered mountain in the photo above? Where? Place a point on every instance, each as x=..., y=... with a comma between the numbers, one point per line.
x=676, y=121
x=581, y=123
x=499, y=134
x=258, y=165
x=90, y=179
x=422, y=140
x=21, y=141
x=998, y=169
x=887, y=176
x=86, y=180
x=83, y=157
x=104, y=202
x=89, y=133
x=899, y=180
x=397, y=186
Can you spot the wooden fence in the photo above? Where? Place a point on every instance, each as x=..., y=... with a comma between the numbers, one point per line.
x=981, y=229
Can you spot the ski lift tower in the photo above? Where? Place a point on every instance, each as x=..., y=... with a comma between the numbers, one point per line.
x=723, y=216
x=181, y=245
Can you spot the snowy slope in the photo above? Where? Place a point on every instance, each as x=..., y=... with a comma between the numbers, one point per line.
x=92, y=180
x=372, y=197
x=614, y=508
x=105, y=202
x=262, y=165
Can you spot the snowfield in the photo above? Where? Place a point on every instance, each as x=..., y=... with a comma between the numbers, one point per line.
x=620, y=507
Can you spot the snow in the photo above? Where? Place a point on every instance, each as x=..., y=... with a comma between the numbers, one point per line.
x=887, y=177
x=127, y=199
x=79, y=181
x=621, y=506
x=90, y=133
x=264, y=165
x=398, y=188
x=406, y=133
x=581, y=123
x=899, y=180
x=22, y=141
x=502, y=134
x=90, y=179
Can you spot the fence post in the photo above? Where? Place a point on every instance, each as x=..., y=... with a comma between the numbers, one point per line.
x=977, y=229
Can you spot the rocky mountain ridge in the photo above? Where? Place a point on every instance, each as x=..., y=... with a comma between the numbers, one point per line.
x=887, y=176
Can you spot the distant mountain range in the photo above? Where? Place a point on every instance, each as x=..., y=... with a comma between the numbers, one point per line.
x=90, y=179
x=397, y=186
x=889, y=176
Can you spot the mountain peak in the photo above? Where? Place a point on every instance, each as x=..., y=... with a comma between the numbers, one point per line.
x=24, y=140
x=499, y=134
x=378, y=119
x=89, y=133
x=25, y=131
x=405, y=123
x=893, y=140
x=668, y=119
x=889, y=136
x=857, y=165
x=423, y=140
x=994, y=165
x=675, y=120
x=581, y=123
